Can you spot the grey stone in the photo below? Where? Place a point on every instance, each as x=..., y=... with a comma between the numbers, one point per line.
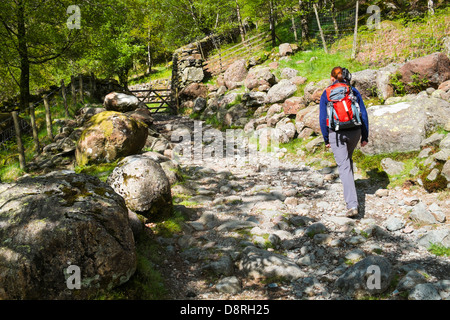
x=355, y=255
x=424, y=291
x=433, y=140
x=439, y=237
x=316, y=228
x=288, y=73
x=354, y=282
x=236, y=225
x=410, y=280
x=422, y=214
x=445, y=143
x=259, y=263
x=143, y=184
x=51, y=222
x=437, y=212
x=392, y=167
x=230, y=285
x=394, y=224
x=391, y=128
x=442, y=155
x=281, y=91
x=222, y=267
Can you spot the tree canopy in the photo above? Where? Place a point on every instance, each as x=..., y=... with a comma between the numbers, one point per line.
x=38, y=47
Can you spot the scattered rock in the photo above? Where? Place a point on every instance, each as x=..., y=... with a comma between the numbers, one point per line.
x=424, y=291
x=144, y=186
x=120, y=102
x=257, y=263
x=356, y=280
x=230, y=285
x=421, y=213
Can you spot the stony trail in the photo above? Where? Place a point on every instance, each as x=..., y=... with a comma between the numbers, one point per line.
x=274, y=230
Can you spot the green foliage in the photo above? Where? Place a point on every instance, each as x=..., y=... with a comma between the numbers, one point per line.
x=439, y=250
x=438, y=184
x=147, y=283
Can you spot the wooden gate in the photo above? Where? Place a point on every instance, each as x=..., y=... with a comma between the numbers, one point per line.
x=158, y=100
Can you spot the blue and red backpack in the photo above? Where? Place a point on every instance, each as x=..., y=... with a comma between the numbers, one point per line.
x=343, y=108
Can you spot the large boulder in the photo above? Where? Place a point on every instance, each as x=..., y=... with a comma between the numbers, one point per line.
x=144, y=185
x=194, y=90
x=281, y=91
x=120, y=102
x=403, y=126
x=258, y=77
x=425, y=72
x=109, y=136
x=286, y=49
x=293, y=105
x=366, y=82
x=309, y=118
x=385, y=89
x=60, y=220
x=259, y=263
x=314, y=90
x=357, y=280
x=192, y=74
x=141, y=114
x=235, y=74
x=254, y=98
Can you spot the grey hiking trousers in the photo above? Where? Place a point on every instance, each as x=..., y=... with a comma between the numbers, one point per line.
x=343, y=143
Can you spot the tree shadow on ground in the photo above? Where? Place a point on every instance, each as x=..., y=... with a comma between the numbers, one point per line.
x=376, y=180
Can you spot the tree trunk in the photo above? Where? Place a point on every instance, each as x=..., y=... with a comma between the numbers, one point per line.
x=272, y=24
x=333, y=16
x=294, y=27
x=23, y=54
x=241, y=26
x=303, y=21
x=149, y=53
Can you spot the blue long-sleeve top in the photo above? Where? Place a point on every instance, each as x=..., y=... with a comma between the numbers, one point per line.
x=323, y=116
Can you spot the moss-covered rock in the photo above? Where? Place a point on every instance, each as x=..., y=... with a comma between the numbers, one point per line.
x=51, y=222
x=144, y=185
x=109, y=136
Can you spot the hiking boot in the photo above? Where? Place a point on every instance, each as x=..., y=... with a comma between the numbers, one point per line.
x=352, y=212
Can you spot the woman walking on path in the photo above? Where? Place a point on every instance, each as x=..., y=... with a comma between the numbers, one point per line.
x=342, y=136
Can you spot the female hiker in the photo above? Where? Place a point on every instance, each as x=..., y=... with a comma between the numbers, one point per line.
x=344, y=122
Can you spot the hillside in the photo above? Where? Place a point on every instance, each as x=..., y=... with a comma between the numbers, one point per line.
x=235, y=197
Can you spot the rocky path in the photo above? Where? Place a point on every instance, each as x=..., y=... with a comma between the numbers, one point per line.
x=275, y=230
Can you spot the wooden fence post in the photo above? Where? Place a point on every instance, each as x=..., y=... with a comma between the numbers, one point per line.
x=64, y=95
x=81, y=88
x=19, y=140
x=321, y=31
x=48, y=119
x=355, y=34
x=34, y=129
x=74, y=92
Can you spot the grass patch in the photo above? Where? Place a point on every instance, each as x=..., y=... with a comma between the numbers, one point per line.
x=170, y=226
x=147, y=283
x=101, y=171
x=317, y=65
x=9, y=155
x=371, y=166
x=439, y=250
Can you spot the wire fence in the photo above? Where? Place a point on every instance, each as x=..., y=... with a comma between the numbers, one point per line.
x=334, y=25
x=8, y=133
x=22, y=124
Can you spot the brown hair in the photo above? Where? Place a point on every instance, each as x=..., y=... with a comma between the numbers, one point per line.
x=337, y=74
